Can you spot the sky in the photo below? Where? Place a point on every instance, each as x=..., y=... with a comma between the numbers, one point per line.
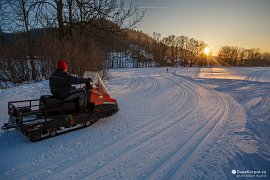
x=243, y=23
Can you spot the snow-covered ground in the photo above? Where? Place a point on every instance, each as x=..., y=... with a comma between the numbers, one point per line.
x=190, y=123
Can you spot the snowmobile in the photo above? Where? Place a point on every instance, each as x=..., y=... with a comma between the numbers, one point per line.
x=48, y=116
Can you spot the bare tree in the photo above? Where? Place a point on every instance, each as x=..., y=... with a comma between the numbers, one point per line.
x=201, y=55
x=19, y=17
x=170, y=41
x=182, y=42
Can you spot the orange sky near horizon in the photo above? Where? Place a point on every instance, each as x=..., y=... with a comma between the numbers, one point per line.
x=243, y=23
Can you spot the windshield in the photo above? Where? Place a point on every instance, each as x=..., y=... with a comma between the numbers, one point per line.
x=100, y=85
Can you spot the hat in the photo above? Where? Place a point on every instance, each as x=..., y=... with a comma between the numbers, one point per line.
x=61, y=65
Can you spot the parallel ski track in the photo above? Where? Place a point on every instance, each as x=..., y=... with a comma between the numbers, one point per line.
x=124, y=87
x=170, y=166
x=152, y=88
x=142, y=86
x=130, y=85
x=137, y=82
x=151, y=85
x=145, y=126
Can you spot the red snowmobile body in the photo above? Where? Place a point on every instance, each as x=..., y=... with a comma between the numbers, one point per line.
x=48, y=116
x=104, y=105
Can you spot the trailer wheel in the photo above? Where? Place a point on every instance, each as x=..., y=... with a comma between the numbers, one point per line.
x=53, y=132
x=35, y=136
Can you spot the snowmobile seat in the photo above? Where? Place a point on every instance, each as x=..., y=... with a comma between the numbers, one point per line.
x=70, y=104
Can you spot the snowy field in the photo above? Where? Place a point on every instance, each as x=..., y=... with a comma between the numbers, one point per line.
x=189, y=123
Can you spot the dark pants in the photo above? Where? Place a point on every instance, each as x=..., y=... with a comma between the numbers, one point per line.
x=81, y=94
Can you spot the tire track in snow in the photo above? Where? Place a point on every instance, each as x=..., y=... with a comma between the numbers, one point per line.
x=136, y=83
x=132, y=85
x=152, y=92
x=172, y=166
x=144, y=86
x=122, y=87
x=152, y=88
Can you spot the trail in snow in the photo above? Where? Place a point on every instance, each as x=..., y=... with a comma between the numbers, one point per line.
x=179, y=124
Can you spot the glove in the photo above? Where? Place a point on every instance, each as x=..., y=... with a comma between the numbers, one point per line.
x=89, y=80
x=88, y=83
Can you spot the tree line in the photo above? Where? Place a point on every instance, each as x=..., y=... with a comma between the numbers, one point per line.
x=237, y=56
x=154, y=50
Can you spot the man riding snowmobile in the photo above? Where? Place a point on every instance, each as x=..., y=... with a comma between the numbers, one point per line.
x=61, y=82
x=61, y=113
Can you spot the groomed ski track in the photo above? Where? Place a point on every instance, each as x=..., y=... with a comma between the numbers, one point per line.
x=169, y=127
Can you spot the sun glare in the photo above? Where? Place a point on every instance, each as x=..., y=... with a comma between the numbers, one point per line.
x=206, y=50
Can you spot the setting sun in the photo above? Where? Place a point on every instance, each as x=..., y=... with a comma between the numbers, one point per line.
x=206, y=50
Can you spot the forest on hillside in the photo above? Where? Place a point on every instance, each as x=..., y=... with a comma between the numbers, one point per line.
x=96, y=35
x=35, y=34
